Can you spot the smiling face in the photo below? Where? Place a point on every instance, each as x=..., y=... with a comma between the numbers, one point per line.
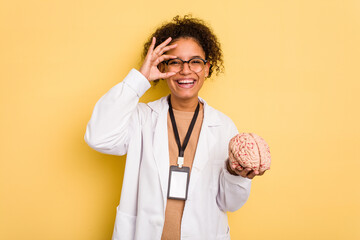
x=186, y=84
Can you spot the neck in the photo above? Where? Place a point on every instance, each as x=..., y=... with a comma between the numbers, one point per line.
x=188, y=105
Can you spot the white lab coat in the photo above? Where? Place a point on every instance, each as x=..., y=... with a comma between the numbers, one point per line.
x=120, y=124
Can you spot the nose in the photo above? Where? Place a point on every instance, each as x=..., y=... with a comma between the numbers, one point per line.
x=185, y=68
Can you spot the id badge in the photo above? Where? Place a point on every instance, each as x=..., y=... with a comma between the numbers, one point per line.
x=178, y=182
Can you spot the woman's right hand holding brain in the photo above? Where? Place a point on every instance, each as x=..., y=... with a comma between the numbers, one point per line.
x=154, y=57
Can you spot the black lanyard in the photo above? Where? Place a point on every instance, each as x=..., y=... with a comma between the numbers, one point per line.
x=188, y=134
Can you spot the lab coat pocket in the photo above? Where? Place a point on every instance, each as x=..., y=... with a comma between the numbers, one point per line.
x=124, y=228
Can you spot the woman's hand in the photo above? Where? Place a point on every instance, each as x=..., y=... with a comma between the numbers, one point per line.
x=249, y=173
x=154, y=57
x=246, y=172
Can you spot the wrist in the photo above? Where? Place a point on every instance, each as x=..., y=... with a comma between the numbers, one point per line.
x=144, y=73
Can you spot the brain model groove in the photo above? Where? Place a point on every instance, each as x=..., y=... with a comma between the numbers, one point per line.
x=248, y=150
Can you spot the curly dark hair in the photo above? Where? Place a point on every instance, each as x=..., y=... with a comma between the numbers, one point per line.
x=189, y=27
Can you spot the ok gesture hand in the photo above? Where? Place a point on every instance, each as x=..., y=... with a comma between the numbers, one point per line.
x=154, y=57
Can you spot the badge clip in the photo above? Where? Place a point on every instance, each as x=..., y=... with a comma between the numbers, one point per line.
x=180, y=161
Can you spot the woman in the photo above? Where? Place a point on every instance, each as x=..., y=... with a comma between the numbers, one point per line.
x=171, y=189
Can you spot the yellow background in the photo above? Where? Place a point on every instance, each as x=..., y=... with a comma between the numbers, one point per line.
x=292, y=76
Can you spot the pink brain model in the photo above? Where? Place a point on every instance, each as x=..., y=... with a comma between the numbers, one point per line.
x=248, y=150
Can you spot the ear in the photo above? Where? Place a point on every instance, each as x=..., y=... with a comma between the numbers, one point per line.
x=207, y=69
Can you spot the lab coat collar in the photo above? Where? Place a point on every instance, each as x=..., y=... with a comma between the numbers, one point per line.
x=161, y=148
x=211, y=117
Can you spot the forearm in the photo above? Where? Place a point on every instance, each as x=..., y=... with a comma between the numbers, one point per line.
x=108, y=128
x=234, y=190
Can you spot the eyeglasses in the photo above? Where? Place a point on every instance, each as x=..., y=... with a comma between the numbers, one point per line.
x=176, y=65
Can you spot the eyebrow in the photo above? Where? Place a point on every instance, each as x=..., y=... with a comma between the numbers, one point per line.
x=192, y=57
x=196, y=57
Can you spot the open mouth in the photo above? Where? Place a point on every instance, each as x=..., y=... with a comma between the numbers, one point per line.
x=186, y=83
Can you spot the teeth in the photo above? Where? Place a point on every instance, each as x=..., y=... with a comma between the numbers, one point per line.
x=185, y=81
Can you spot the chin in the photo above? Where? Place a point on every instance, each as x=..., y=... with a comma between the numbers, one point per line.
x=184, y=96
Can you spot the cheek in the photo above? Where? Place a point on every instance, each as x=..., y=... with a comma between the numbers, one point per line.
x=202, y=77
x=170, y=83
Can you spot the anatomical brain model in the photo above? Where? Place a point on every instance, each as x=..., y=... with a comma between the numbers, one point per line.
x=248, y=150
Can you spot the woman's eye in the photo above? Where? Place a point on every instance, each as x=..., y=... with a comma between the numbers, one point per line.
x=174, y=63
x=196, y=61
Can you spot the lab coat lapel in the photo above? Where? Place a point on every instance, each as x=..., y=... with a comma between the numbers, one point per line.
x=206, y=142
x=160, y=143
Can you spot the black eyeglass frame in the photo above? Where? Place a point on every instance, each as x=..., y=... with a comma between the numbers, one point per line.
x=188, y=62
